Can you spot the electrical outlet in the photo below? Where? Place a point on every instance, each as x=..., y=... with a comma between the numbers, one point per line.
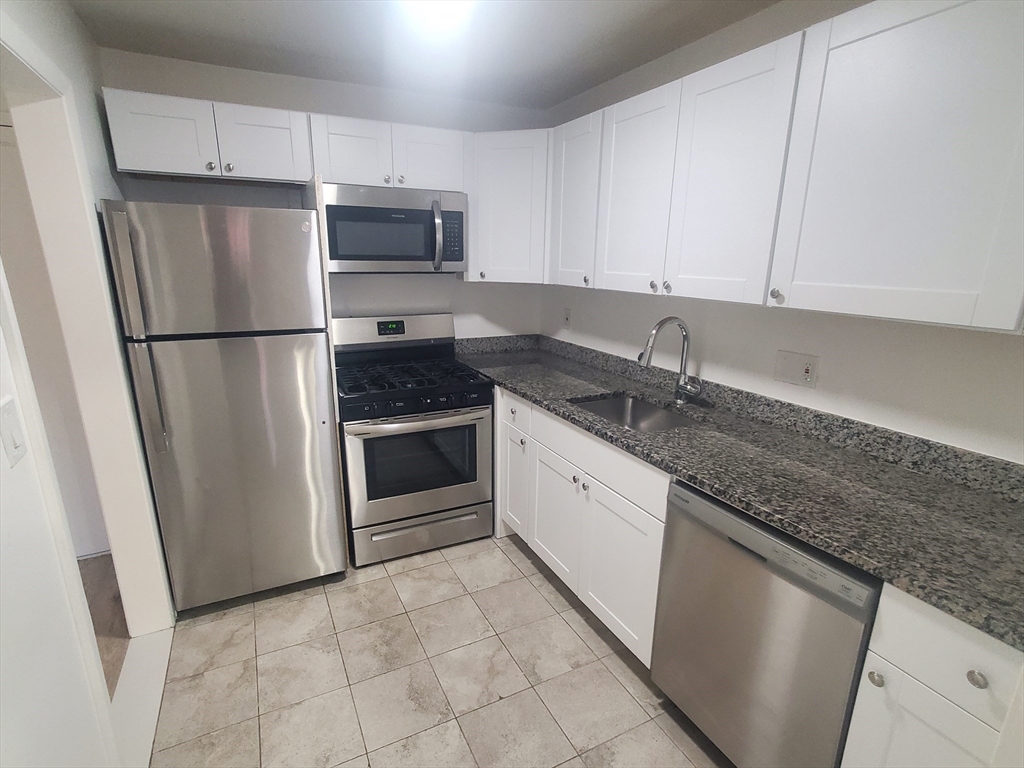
x=796, y=368
x=566, y=319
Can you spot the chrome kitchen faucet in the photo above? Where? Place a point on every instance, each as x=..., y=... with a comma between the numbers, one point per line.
x=687, y=387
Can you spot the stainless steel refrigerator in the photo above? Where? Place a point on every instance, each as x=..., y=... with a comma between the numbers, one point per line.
x=225, y=329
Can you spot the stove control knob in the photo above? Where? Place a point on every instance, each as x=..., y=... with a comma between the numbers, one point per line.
x=381, y=409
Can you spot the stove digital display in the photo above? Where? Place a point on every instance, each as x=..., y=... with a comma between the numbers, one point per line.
x=391, y=328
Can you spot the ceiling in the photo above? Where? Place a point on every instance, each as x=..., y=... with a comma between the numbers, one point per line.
x=526, y=53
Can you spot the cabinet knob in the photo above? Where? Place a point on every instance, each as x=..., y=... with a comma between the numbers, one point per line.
x=586, y=486
x=977, y=679
x=876, y=679
x=575, y=479
x=387, y=179
x=654, y=286
x=667, y=286
x=586, y=280
x=211, y=166
x=401, y=179
x=522, y=441
x=483, y=275
x=229, y=167
x=774, y=293
x=512, y=411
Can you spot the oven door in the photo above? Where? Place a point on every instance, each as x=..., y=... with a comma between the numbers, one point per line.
x=373, y=229
x=403, y=467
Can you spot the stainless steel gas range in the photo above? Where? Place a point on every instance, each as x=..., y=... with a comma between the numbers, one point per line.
x=416, y=434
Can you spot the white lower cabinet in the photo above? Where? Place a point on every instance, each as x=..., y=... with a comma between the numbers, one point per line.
x=514, y=479
x=603, y=546
x=898, y=721
x=619, y=565
x=934, y=691
x=557, y=513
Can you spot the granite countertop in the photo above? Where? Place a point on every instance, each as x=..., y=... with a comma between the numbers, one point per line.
x=958, y=549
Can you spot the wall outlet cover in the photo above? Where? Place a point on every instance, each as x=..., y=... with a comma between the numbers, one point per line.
x=796, y=368
x=11, y=432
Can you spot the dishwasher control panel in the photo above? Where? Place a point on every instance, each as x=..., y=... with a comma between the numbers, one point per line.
x=818, y=574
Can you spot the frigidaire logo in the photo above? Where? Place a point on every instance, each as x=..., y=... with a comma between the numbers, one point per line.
x=397, y=215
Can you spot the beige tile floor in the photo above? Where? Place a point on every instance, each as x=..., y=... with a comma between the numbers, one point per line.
x=104, y=597
x=476, y=655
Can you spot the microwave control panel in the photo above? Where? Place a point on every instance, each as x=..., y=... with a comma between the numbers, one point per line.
x=451, y=225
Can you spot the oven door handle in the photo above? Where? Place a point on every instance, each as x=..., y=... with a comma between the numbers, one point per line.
x=435, y=206
x=419, y=424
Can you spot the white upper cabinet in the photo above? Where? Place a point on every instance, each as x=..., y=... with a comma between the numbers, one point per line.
x=574, y=192
x=507, y=213
x=636, y=190
x=162, y=134
x=904, y=192
x=262, y=143
x=428, y=158
x=733, y=128
x=347, y=150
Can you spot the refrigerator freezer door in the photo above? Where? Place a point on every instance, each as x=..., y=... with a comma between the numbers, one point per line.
x=214, y=269
x=248, y=491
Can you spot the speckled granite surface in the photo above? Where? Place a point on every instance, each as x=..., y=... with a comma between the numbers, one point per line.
x=957, y=548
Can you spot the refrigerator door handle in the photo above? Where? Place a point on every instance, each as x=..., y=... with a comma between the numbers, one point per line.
x=148, y=393
x=125, y=272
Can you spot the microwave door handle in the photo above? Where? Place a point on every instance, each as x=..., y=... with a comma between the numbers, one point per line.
x=435, y=206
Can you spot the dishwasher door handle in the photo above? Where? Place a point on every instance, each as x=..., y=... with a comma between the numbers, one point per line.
x=748, y=550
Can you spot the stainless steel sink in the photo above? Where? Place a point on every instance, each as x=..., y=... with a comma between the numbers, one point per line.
x=633, y=413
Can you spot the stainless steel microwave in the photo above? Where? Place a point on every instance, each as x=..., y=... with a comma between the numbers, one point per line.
x=378, y=229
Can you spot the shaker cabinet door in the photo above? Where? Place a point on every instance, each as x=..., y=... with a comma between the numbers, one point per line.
x=347, y=150
x=514, y=479
x=508, y=211
x=904, y=193
x=900, y=723
x=619, y=566
x=733, y=129
x=428, y=158
x=637, y=154
x=152, y=133
x=263, y=143
x=554, y=532
x=574, y=190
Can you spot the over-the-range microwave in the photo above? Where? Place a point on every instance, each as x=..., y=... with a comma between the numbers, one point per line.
x=379, y=229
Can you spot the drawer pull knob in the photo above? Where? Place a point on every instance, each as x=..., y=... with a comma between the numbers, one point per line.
x=512, y=411
x=876, y=679
x=977, y=679
x=586, y=487
x=522, y=441
x=575, y=479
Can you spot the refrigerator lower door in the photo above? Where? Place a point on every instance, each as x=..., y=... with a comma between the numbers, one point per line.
x=248, y=487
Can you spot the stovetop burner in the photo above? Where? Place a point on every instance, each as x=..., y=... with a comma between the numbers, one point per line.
x=403, y=377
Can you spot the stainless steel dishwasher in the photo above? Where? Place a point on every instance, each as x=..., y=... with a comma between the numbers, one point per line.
x=756, y=639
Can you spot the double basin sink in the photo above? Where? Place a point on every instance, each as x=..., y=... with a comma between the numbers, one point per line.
x=635, y=414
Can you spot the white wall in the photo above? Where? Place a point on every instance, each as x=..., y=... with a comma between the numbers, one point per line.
x=157, y=74
x=480, y=310
x=54, y=709
x=957, y=386
x=52, y=40
x=23, y=257
x=59, y=148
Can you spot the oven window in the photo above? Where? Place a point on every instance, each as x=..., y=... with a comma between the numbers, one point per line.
x=420, y=461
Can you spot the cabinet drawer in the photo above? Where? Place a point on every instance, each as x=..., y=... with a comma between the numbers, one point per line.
x=628, y=476
x=939, y=651
x=515, y=411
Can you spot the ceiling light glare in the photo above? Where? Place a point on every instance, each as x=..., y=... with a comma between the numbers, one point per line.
x=438, y=19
